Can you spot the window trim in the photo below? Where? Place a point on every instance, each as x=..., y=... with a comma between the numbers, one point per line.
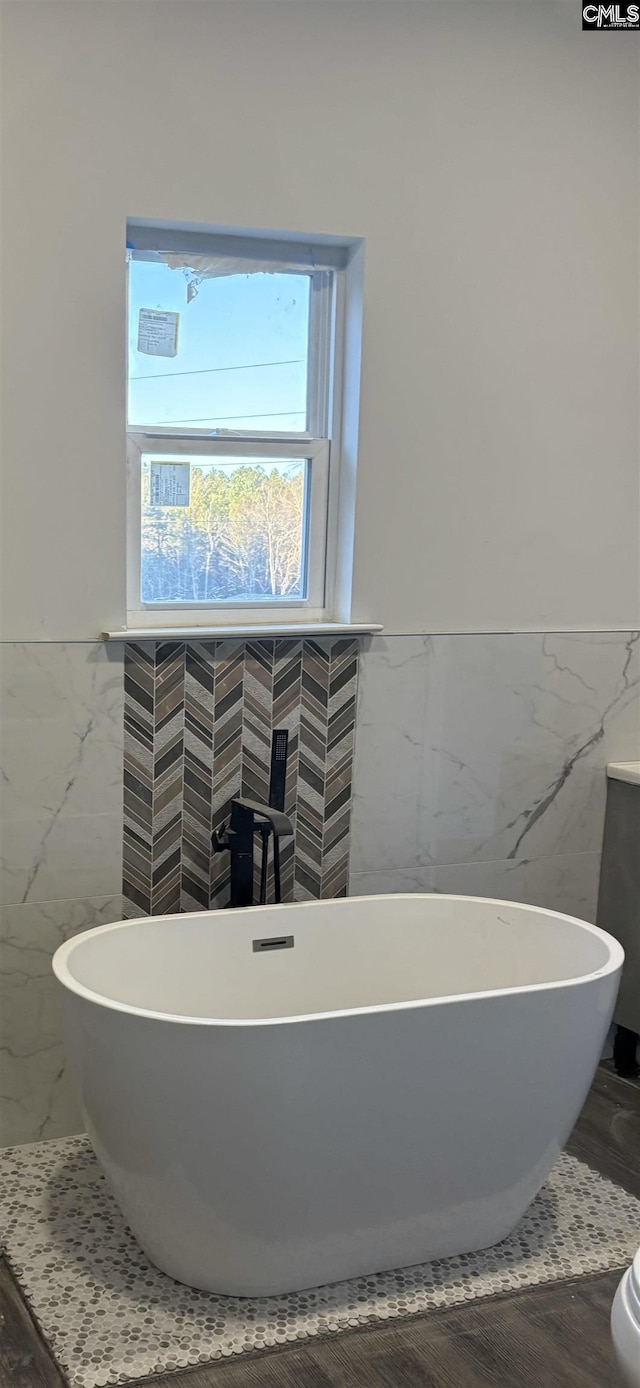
x=327, y=266
x=300, y=253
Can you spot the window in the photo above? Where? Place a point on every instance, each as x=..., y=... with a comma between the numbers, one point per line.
x=234, y=402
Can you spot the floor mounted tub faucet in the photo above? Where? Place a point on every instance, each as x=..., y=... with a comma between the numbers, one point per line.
x=249, y=818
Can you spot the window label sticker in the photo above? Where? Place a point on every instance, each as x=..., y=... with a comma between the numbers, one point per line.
x=158, y=332
x=169, y=484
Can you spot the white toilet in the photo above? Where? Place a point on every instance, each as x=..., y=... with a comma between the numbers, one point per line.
x=625, y=1324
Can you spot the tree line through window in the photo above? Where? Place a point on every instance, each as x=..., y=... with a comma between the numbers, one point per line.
x=240, y=538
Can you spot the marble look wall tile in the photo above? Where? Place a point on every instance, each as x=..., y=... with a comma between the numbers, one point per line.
x=36, y=1097
x=567, y=883
x=60, y=857
x=384, y=881
x=389, y=753
x=495, y=749
x=61, y=738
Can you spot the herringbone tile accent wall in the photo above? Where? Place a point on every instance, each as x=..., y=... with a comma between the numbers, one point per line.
x=198, y=723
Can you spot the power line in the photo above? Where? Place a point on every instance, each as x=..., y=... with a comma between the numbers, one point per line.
x=206, y=370
x=209, y=419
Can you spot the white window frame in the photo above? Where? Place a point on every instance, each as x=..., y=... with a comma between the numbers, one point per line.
x=320, y=446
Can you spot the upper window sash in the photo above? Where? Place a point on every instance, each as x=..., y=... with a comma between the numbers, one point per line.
x=321, y=328
x=320, y=379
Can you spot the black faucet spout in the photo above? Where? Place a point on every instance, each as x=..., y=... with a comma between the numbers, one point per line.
x=249, y=817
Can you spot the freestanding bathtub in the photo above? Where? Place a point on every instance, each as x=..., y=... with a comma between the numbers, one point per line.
x=290, y=1095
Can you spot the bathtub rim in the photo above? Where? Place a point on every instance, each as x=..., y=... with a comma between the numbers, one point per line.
x=63, y=974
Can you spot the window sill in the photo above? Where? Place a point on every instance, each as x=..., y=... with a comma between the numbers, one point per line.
x=247, y=629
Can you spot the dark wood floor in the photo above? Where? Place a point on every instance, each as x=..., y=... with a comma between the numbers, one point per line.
x=548, y=1337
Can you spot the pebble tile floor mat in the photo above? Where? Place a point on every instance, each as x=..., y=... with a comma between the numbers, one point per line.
x=110, y=1317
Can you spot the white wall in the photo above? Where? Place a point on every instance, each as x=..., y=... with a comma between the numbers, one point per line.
x=488, y=153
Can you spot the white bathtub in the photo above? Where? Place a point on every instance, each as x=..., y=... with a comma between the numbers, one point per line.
x=393, y=1088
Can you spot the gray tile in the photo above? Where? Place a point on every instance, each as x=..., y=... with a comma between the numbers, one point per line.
x=199, y=722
